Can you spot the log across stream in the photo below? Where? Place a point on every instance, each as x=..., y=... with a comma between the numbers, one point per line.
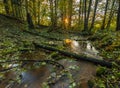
x=76, y=56
x=84, y=71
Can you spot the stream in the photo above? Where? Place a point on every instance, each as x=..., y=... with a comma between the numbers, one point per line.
x=81, y=72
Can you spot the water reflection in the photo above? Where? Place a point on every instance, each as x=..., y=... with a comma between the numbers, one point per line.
x=84, y=47
x=91, y=49
x=81, y=72
x=34, y=77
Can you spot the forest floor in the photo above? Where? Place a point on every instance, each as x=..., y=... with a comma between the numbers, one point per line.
x=16, y=42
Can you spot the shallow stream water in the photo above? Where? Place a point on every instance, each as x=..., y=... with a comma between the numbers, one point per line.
x=81, y=71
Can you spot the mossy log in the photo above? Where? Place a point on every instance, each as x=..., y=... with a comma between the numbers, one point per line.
x=78, y=57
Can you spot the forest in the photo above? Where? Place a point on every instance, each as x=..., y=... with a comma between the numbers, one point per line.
x=59, y=43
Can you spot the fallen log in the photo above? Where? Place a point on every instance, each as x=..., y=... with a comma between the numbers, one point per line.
x=79, y=57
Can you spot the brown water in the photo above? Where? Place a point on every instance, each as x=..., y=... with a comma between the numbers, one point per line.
x=85, y=71
x=35, y=77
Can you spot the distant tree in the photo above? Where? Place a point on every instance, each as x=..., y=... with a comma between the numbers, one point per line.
x=34, y=11
x=85, y=15
x=94, y=14
x=105, y=15
x=63, y=11
x=28, y=16
x=80, y=12
x=55, y=12
x=29, y=20
x=118, y=17
x=15, y=4
x=39, y=4
x=52, y=14
x=26, y=6
x=112, y=11
x=7, y=9
x=88, y=14
x=70, y=4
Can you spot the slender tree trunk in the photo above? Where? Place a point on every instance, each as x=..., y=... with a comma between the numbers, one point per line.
x=52, y=14
x=82, y=13
x=55, y=13
x=29, y=20
x=63, y=14
x=79, y=12
x=6, y=6
x=28, y=16
x=94, y=14
x=26, y=7
x=13, y=8
x=18, y=5
x=19, y=9
x=34, y=11
x=105, y=13
x=39, y=4
x=53, y=8
x=88, y=14
x=70, y=3
x=110, y=15
x=85, y=15
x=118, y=17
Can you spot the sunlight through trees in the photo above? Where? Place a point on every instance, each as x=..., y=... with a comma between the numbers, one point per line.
x=83, y=14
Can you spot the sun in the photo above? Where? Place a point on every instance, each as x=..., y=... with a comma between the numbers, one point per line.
x=66, y=21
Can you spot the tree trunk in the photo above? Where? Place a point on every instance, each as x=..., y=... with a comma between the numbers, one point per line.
x=29, y=20
x=70, y=3
x=39, y=4
x=28, y=16
x=118, y=18
x=6, y=6
x=85, y=15
x=51, y=15
x=55, y=18
x=88, y=14
x=79, y=12
x=110, y=15
x=34, y=12
x=63, y=13
x=94, y=14
x=105, y=13
x=26, y=7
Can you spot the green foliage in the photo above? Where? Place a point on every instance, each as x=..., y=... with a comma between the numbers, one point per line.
x=101, y=84
x=8, y=48
x=108, y=44
x=108, y=77
x=98, y=35
x=101, y=71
